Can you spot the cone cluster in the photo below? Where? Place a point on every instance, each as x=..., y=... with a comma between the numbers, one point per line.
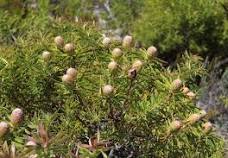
x=16, y=118
x=70, y=76
x=186, y=91
x=192, y=119
x=68, y=48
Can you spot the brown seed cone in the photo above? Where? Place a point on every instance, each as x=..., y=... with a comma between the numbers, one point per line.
x=116, y=53
x=127, y=41
x=4, y=128
x=152, y=52
x=191, y=95
x=107, y=90
x=69, y=48
x=46, y=56
x=72, y=72
x=176, y=84
x=185, y=90
x=194, y=118
x=137, y=65
x=67, y=79
x=175, y=125
x=207, y=127
x=16, y=116
x=112, y=66
x=31, y=143
x=106, y=41
x=59, y=41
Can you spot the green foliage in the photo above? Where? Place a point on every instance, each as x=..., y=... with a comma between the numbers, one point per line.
x=78, y=118
x=176, y=25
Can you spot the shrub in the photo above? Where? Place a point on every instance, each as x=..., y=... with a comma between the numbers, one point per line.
x=175, y=26
x=138, y=109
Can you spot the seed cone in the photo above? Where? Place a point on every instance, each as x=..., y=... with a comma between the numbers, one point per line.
x=112, y=66
x=117, y=52
x=106, y=41
x=194, y=118
x=31, y=143
x=191, y=95
x=175, y=125
x=69, y=48
x=127, y=41
x=16, y=116
x=176, y=84
x=46, y=56
x=4, y=128
x=72, y=72
x=185, y=90
x=137, y=65
x=59, y=41
x=152, y=52
x=67, y=79
x=107, y=90
x=207, y=127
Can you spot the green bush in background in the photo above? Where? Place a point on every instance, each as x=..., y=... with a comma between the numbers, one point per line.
x=175, y=25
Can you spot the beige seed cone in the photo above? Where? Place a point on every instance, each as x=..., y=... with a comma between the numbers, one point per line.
x=127, y=41
x=137, y=65
x=59, y=41
x=207, y=127
x=69, y=48
x=191, y=95
x=185, y=90
x=117, y=52
x=31, y=143
x=176, y=84
x=46, y=56
x=106, y=41
x=194, y=118
x=175, y=125
x=107, y=90
x=4, y=128
x=72, y=72
x=67, y=79
x=16, y=116
x=152, y=52
x=112, y=66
